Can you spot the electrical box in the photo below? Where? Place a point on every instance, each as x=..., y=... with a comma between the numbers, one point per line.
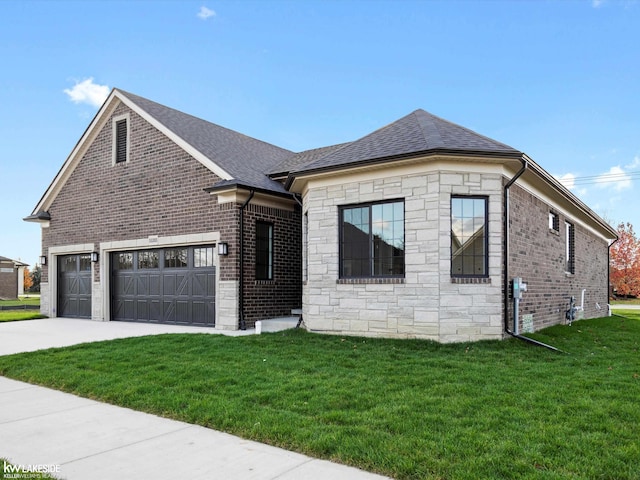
x=517, y=288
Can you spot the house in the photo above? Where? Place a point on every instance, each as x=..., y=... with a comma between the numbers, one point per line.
x=11, y=278
x=413, y=231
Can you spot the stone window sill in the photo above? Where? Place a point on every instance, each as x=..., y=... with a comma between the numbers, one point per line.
x=471, y=280
x=368, y=281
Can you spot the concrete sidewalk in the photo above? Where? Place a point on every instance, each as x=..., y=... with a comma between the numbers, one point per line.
x=85, y=439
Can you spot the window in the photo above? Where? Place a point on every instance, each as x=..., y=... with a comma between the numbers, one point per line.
x=148, y=259
x=554, y=221
x=469, y=256
x=85, y=262
x=121, y=139
x=372, y=240
x=70, y=264
x=175, y=258
x=203, y=257
x=125, y=261
x=570, y=248
x=264, y=251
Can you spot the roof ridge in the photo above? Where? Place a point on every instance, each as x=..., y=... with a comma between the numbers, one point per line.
x=457, y=125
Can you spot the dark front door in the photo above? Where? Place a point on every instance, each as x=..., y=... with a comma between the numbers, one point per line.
x=165, y=285
x=74, y=286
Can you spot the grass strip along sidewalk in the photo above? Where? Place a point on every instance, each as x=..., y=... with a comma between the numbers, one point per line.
x=407, y=409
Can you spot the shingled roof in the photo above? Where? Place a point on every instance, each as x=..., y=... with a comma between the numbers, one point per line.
x=251, y=162
x=418, y=133
x=245, y=158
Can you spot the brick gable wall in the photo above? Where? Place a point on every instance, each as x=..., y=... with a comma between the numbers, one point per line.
x=158, y=192
x=537, y=254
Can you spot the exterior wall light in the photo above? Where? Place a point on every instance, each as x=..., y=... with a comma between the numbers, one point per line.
x=223, y=248
x=43, y=260
x=94, y=257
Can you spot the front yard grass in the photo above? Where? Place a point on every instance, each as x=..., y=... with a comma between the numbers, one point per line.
x=407, y=409
x=14, y=315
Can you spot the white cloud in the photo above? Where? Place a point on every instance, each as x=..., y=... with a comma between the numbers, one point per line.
x=633, y=165
x=88, y=92
x=616, y=178
x=569, y=181
x=205, y=13
x=597, y=3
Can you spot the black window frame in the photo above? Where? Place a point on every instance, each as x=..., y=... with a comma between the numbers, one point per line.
x=570, y=248
x=264, y=256
x=371, y=242
x=485, y=244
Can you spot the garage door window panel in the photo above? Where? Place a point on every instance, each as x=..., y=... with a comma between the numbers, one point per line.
x=148, y=259
x=203, y=257
x=175, y=258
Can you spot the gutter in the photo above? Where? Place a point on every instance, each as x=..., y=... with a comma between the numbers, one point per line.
x=242, y=324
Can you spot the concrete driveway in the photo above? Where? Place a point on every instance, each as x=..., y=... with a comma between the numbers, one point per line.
x=30, y=335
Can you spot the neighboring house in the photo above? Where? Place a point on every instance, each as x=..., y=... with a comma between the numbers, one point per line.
x=11, y=278
x=411, y=231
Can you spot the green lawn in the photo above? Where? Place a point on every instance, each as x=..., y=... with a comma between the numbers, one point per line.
x=30, y=300
x=628, y=301
x=14, y=315
x=407, y=409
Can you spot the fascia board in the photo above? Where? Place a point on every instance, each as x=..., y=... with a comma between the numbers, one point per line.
x=186, y=146
x=407, y=166
x=546, y=187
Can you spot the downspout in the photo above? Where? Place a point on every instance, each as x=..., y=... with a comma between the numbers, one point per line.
x=242, y=324
x=609, y=275
x=506, y=228
x=505, y=294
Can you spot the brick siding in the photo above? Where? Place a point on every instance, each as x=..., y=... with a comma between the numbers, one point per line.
x=8, y=281
x=273, y=298
x=537, y=254
x=158, y=192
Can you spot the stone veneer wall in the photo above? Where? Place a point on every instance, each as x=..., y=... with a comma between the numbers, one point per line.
x=537, y=254
x=427, y=303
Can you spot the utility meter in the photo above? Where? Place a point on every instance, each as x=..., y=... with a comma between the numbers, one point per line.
x=518, y=286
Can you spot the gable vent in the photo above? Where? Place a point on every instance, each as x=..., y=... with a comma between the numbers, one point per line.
x=121, y=141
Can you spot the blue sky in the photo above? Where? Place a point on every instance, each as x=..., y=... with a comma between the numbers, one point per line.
x=559, y=80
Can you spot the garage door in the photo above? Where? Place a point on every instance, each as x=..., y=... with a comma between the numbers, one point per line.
x=170, y=285
x=74, y=286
